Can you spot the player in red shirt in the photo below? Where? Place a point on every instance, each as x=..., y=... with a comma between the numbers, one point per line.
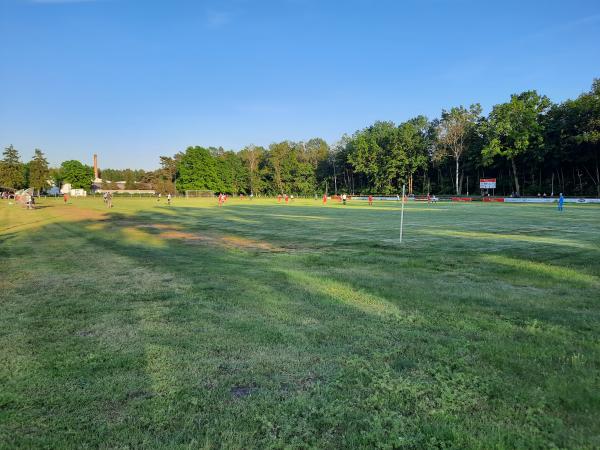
x=65, y=198
x=279, y=198
x=287, y=198
x=324, y=199
x=370, y=200
x=220, y=199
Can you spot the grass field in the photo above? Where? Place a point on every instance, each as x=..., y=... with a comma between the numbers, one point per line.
x=266, y=325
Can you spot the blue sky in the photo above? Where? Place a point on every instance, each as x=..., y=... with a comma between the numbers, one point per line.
x=135, y=79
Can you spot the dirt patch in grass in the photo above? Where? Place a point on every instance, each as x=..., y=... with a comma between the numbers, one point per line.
x=228, y=241
x=139, y=394
x=80, y=214
x=242, y=391
x=161, y=226
x=246, y=243
x=85, y=333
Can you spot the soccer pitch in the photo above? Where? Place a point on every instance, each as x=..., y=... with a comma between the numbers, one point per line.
x=260, y=324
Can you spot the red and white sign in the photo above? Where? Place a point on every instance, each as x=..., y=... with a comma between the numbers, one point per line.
x=487, y=183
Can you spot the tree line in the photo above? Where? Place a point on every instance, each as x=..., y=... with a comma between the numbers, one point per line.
x=529, y=144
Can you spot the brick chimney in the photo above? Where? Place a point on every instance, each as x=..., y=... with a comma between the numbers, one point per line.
x=95, y=167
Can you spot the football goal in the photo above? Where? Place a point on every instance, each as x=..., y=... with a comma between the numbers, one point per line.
x=198, y=193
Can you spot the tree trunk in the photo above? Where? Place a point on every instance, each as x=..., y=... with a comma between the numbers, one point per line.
x=334, y=179
x=597, y=179
x=457, y=183
x=514, y=168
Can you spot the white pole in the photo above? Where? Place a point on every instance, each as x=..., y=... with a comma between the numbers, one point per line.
x=402, y=214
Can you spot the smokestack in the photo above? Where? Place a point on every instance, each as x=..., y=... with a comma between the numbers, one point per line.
x=95, y=166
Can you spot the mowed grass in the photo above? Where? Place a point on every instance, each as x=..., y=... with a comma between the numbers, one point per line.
x=269, y=325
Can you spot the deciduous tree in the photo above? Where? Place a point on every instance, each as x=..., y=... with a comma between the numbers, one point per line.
x=77, y=174
x=515, y=128
x=453, y=131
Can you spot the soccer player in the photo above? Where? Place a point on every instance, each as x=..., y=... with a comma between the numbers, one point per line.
x=370, y=200
x=109, y=199
x=344, y=198
x=220, y=198
x=169, y=199
x=287, y=198
x=65, y=198
x=324, y=199
x=279, y=198
x=561, y=201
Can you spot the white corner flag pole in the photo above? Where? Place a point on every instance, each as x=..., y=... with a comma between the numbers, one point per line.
x=402, y=214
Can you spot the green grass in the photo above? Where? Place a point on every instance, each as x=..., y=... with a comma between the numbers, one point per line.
x=266, y=325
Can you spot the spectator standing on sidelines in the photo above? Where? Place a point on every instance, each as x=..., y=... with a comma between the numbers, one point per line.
x=109, y=199
x=28, y=200
x=561, y=201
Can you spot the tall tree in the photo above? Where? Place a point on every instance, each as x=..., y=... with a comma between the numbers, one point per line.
x=38, y=171
x=378, y=153
x=516, y=128
x=129, y=180
x=281, y=160
x=164, y=178
x=12, y=170
x=316, y=152
x=252, y=155
x=231, y=173
x=77, y=174
x=453, y=131
x=197, y=170
x=573, y=137
x=415, y=138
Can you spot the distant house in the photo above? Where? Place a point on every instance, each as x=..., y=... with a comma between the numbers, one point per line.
x=141, y=188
